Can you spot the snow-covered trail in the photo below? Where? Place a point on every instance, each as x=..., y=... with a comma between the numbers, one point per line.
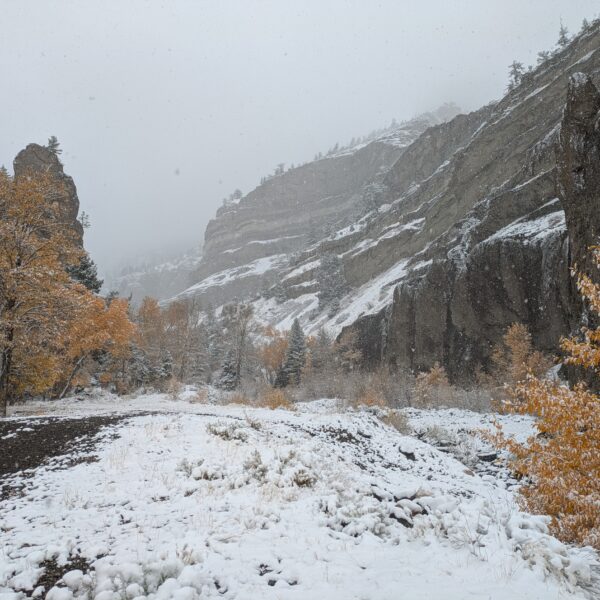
x=200, y=501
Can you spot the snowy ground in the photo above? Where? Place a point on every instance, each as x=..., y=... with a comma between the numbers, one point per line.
x=201, y=501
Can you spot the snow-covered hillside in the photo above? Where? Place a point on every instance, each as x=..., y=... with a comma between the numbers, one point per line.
x=189, y=500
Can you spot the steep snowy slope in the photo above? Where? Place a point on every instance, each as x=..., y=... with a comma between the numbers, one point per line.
x=293, y=210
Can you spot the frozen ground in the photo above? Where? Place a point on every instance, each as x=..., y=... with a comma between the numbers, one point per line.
x=189, y=500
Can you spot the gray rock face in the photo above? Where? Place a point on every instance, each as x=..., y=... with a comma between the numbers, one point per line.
x=499, y=250
x=291, y=211
x=38, y=159
x=468, y=234
x=579, y=168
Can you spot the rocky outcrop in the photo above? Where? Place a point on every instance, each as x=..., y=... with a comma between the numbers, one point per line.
x=39, y=159
x=579, y=169
x=493, y=226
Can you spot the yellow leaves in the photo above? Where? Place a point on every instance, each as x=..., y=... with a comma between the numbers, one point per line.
x=273, y=353
x=96, y=326
x=514, y=359
x=561, y=463
x=48, y=323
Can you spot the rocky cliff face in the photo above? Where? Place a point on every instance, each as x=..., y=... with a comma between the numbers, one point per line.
x=579, y=169
x=39, y=159
x=248, y=244
x=467, y=233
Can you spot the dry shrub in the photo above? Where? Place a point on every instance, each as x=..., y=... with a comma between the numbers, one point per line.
x=370, y=397
x=238, y=398
x=561, y=465
x=514, y=358
x=397, y=420
x=200, y=397
x=174, y=388
x=432, y=388
x=275, y=398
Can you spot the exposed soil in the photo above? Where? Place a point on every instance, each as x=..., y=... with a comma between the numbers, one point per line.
x=26, y=444
x=53, y=572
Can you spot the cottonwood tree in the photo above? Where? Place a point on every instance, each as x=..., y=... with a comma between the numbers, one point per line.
x=35, y=247
x=48, y=321
x=272, y=353
x=96, y=326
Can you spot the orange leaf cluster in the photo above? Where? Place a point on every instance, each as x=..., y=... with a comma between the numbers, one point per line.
x=561, y=463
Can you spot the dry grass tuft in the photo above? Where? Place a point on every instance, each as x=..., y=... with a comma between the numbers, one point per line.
x=275, y=398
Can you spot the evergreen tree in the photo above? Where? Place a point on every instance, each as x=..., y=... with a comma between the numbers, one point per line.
x=166, y=366
x=543, y=56
x=322, y=352
x=296, y=354
x=515, y=74
x=563, y=36
x=332, y=282
x=140, y=369
x=228, y=379
x=53, y=145
x=86, y=273
x=214, y=339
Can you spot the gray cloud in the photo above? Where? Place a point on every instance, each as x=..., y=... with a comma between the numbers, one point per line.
x=163, y=108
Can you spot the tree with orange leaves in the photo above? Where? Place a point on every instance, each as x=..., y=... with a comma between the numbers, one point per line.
x=272, y=353
x=49, y=323
x=95, y=326
x=561, y=464
x=35, y=248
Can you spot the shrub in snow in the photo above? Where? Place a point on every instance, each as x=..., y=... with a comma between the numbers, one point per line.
x=562, y=463
x=228, y=431
x=275, y=398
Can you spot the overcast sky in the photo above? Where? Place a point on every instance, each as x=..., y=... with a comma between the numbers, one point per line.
x=164, y=108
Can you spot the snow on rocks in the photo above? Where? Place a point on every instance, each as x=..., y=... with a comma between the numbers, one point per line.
x=203, y=501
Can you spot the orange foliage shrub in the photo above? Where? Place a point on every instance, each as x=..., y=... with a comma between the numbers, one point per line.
x=562, y=462
x=275, y=398
x=432, y=386
x=515, y=358
x=272, y=354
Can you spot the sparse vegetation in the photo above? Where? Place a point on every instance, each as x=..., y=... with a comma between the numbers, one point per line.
x=561, y=465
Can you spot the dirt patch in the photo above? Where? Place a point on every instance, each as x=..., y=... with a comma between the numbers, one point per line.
x=53, y=573
x=58, y=443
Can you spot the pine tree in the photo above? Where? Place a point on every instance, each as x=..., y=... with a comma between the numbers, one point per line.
x=86, y=273
x=515, y=74
x=290, y=371
x=139, y=368
x=322, y=352
x=214, y=335
x=228, y=379
x=166, y=366
x=332, y=282
x=53, y=145
x=543, y=56
x=563, y=36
